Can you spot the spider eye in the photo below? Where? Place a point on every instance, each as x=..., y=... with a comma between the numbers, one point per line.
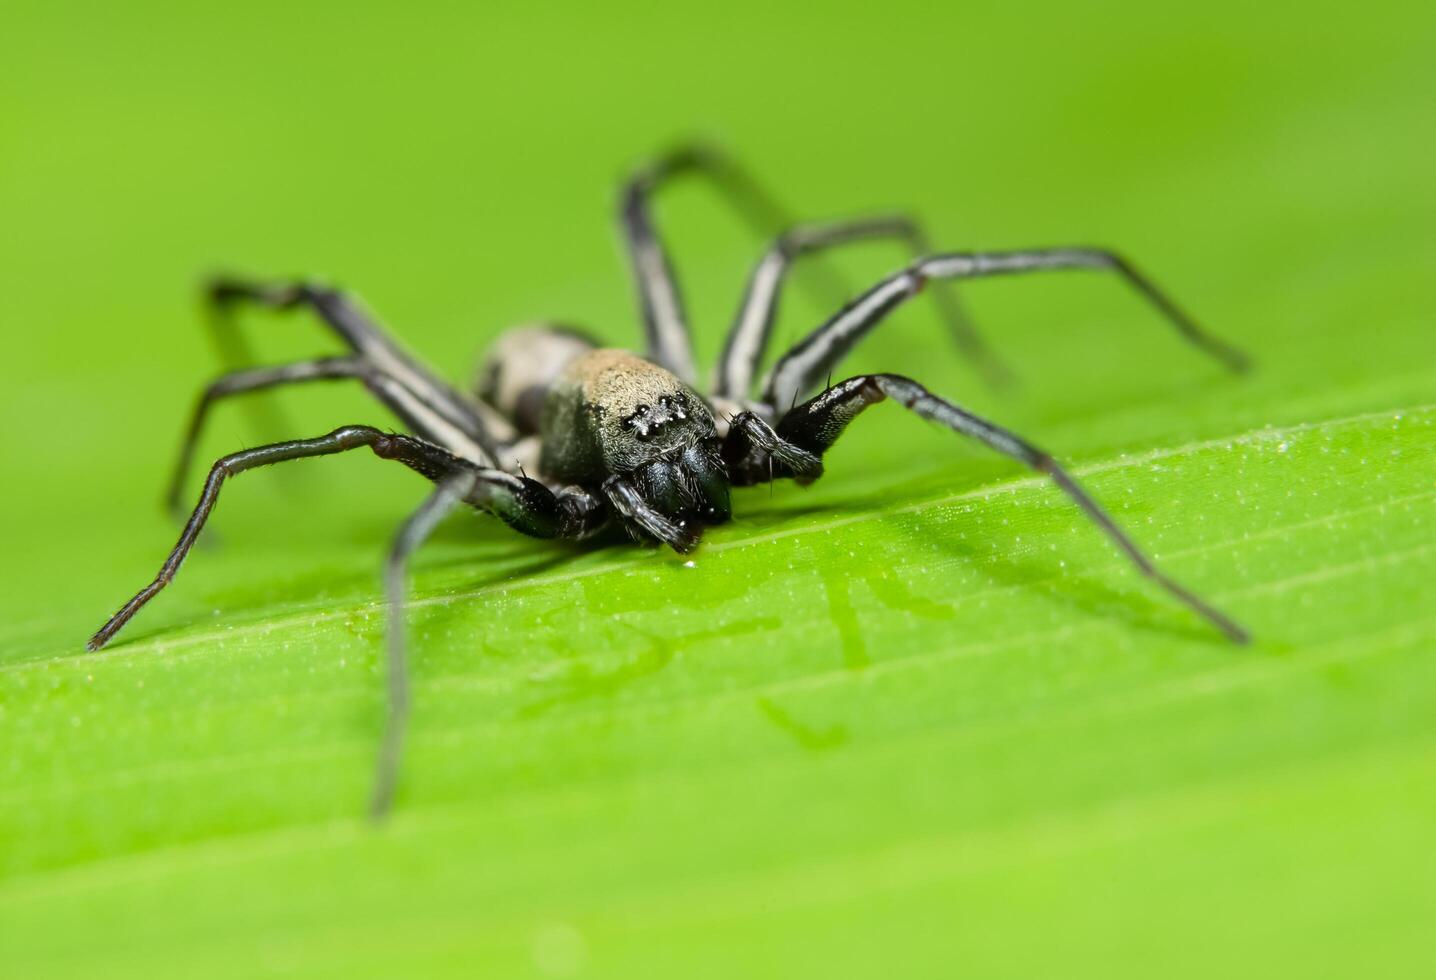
x=646, y=420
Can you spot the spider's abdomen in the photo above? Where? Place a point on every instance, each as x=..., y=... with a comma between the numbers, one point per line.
x=521, y=367
x=611, y=412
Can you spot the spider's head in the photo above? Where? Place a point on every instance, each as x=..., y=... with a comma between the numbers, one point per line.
x=688, y=485
x=646, y=437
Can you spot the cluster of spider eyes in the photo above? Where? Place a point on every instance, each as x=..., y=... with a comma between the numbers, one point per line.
x=648, y=419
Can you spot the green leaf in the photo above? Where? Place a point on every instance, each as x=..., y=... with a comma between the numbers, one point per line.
x=919, y=719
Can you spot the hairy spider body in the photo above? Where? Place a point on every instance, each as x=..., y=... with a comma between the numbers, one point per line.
x=521, y=367
x=614, y=438
x=611, y=412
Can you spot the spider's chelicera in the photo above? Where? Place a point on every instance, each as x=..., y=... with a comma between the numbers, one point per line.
x=564, y=438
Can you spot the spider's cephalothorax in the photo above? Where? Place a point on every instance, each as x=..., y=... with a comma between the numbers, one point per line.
x=564, y=438
x=611, y=415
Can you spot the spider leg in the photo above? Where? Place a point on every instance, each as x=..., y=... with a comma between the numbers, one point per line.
x=525, y=505
x=423, y=400
x=447, y=495
x=252, y=379
x=422, y=416
x=805, y=434
x=800, y=369
x=581, y=514
x=752, y=328
x=665, y=324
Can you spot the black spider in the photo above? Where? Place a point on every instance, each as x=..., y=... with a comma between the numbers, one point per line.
x=612, y=436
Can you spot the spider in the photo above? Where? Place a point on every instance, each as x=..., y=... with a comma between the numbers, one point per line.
x=613, y=438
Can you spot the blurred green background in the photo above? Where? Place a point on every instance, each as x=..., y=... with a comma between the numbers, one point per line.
x=917, y=720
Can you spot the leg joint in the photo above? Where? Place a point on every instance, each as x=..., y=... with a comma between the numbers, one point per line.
x=282, y=296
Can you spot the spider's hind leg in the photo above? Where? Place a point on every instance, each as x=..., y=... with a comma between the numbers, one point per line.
x=752, y=328
x=659, y=295
x=338, y=313
x=242, y=382
x=427, y=404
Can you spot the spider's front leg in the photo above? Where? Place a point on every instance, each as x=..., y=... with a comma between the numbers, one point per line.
x=525, y=505
x=804, y=434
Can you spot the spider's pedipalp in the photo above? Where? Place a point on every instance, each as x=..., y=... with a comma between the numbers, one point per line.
x=644, y=517
x=752, y=449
